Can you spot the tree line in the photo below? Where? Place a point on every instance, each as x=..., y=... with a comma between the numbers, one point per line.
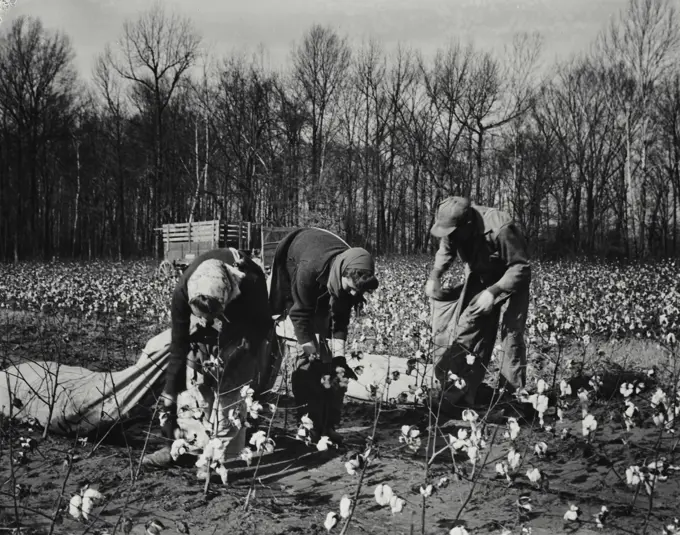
x=584, y=153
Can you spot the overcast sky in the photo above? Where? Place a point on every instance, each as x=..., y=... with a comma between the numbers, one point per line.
x=568, y=26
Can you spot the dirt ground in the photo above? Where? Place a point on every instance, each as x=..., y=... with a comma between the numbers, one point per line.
x=294, y=488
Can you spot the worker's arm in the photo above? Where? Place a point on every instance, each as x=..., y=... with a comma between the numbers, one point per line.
x=305, y=292
x=444, y=258
x=341, y=310
x=180, y=313
x=512, y=249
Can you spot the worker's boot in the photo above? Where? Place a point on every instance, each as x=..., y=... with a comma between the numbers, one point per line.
x=158, y=460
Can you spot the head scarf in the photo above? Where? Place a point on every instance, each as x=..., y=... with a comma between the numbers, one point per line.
x=214, y=278
x=354, y=258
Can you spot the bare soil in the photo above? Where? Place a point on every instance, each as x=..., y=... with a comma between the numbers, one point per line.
x=294, y=488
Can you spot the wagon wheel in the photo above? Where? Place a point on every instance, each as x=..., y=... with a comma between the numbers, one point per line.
x=166, y=269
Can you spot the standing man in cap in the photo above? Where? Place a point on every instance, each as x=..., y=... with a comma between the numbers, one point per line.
x=317, y=279
x=498, y=274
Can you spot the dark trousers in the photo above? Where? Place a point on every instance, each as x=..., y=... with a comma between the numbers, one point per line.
x=315, y=384
x=475, y=334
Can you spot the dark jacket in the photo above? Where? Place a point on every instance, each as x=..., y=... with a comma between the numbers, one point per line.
x=500, y=259
x=248, y=315
x=300, y=273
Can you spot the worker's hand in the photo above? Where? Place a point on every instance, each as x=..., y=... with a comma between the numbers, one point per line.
x=168, y=400
x=167, y=417
x=483, y=304
x=342, y=369
x=309, y=348
x=433, y=288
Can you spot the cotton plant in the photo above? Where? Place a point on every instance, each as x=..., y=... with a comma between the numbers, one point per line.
x=631, y=414
x=671, y=528
x=541, y=449
x=358, y=461
x=539, y=401
x=81, y=504
x=648, y=475
x=601, y=517
x=664, y=413
x=588, y=426
x=410, y=436
x=535, y=476
x=584, y=400
x=512, y=429
x=386, y=497
x=457, y=381
x=213, y=456
x=305, y=428
x=573, y=514
x=524, y=507
x=595, y=383
x=565, y=392
x=470, y=442
x=262, y=443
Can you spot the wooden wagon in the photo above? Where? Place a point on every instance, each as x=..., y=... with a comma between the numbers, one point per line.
x=182, y=242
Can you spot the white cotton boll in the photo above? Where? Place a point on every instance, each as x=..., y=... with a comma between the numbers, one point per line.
x=331, y=520
x=459, y=530
x=178, y=448
x=470, y=359
x=258, y=439
x=323, y=444
x=659, y=398
x=513, y=429
x=540, y=449
x=254, y=409
x=572, y=514
x=74, y=507
x=633, y=475
x=589, y=424
x=93, y=495
x=426, y=492
x=383, y=494
x=345, y=506
x=307, y=422
x=541, y=386
x=396, y=504
x=565, y=389
x=86, y=507
x=352, y=466
x=223, y=473
x=626, y=390
x=246, y=455
x=513, y=458
x=541, y=404
x=234, y=419
x=534, y=475
x=470, y=416
x=502, y=469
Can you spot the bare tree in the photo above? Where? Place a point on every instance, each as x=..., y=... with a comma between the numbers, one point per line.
x=115, y=107
x=320, y=65
x=642, y=43
x=37, y=88
x=499, y=92
x=446, y=84
x=155, y=54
